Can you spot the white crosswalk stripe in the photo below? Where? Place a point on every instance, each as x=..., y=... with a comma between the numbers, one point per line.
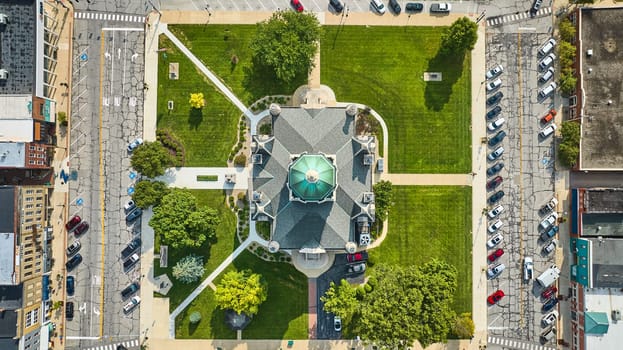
x=109, y=17
x=498, y=20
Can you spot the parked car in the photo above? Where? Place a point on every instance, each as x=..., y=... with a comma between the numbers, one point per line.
x=378, y=6
x=495, y=255
x=493, y=272
x=495, y=169
x=549, y=304
x=499, y=137
x=494, y=84
x=549, y=206
x=73, y=222
x=129, y=290
x=132, y=304
x=495, y=212
x=495, y=182
x=549, y=233
x=129, y=206
x=81, y=229
x=297, y=5
x=549, y=246
x=495, y=240
x=337, y=323
x=495, y=98
x=133, y=215
x=495, y=226
x=73, y=248
x=133, y=259
x=395, y=6
x=494, y=72
x=496, y=124
x=547, y=61
x=497, y=153
x=121, y=347
x=440, y=7
x=131, y=247
x=496, y=197
x=535, y=7
x=528, y=268
x=549, y=318
x=547, y=47
x=494, y=112
x=356, y=268
x=69, y=310
x=548, y=335
x=549, y=292
x=548, y=117
x=549, y=221
x=495, y=297
x=360, y=256
x=134, y=144
x=548, y=90
x=337, y=5
x=73, y=262
x=549, y=74
x=548, y=130
x=71, y=285
x=414, y=7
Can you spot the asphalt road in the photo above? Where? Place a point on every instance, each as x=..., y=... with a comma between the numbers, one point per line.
x=107, y=103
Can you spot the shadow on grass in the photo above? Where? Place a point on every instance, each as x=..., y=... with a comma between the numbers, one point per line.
x=195, y=117
x=438, y=93
x=261, y=81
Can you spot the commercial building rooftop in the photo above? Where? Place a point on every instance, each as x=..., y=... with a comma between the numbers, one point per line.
x=18, y=46
x=15, y=106
x=16, y=130
x=12, y=154
x=598, y=301
x=10, y=297
x=603, y=212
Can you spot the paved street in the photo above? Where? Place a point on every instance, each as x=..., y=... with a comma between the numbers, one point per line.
x=107, y=104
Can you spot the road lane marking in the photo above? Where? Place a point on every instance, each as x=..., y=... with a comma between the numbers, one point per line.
x=102, y=193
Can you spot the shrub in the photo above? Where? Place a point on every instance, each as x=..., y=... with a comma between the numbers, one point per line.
x=569, y=148
x=189, y=269
x=62, y=118
x=240, y=160
x=195, y=317
x=266, y=129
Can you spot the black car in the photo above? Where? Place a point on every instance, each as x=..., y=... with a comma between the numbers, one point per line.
x=133, y=259
x=414, y=7
x=497, y=138
x=69, y=310
x=337, y=5
x=129, y=290
x=395, y=6
x=71, y=285
x=549, y=304
x=133, y=215
x=495, y=169
x=495, y=98
x=73, y=262
x=494, y=112
x=535, y=7
x=496, y=197
x=132, y=246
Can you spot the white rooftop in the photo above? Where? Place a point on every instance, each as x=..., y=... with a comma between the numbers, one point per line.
x=16, y=130
x=12, y=155
x=7, y=258
x=604, y=300
x=15, y=107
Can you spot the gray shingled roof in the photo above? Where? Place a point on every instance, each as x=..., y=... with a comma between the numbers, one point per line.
x=327, y=225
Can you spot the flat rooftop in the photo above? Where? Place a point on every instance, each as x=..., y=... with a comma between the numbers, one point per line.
x=17, y=130
x=607, y=262
x=604, y=300
x=17, y=46
x=15, y=106
x=7, y=257
x=12, y=154
x=603, y=200
x=602, y=125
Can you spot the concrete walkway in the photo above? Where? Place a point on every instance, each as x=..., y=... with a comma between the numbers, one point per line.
x=186, y=177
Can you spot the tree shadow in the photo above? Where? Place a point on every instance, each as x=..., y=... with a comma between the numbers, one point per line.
x=262, y=81
x=438, y=93
x=195, y=117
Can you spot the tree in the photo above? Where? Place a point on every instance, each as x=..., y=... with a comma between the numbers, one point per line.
x=240, y=160
x=567, y=82
x=569, y=148
x=189, y=269
x=566, y=29
x=196, y=100
x=241, y=291
x=341, y=300
x=286, y=43
x=566, y=51
x=195, y=317
x=151, y=159
x=383, y=198
x=148, y=193
x=464, y=326
x=459, y=37
x=180, y=223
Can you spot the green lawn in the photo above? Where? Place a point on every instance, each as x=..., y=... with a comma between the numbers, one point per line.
x=432, y=222
x=215, y=45
x=382, y=67
x=282, y=316
x=207, y=134
x=213, y=253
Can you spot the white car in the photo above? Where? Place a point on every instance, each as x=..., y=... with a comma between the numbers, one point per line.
x=496, y=124
x=547, y=61
x=495, y=240
x=129, y=206
x=496, y=154
x=132, y=304
x=495, y=211
x=549, y=221
x=337, y=323
x=549, y=318
x=378, y=6
x=528, y=268
x=495, y=226
x=549, y=73
x=545, y=49
x=495, y=271
x=495, y=71
x=548, y=130
x=549, y=246
x=494, y=84
x=134, y=144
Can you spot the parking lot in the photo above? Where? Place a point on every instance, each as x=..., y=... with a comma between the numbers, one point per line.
x=528, y=183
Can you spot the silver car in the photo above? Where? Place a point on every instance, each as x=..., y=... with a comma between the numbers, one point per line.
x=495, y=271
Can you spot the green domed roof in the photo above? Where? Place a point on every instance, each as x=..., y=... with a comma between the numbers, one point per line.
x=312, y=177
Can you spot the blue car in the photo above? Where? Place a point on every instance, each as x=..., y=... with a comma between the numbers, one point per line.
x=496, y=197
x=497, y=138
x=549, y=304
x=133, y=215
x=495, y=169
x=494, y=112
x=73, y=262
x=549, y=233
x=71, y=284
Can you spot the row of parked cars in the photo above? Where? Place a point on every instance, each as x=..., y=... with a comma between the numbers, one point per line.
x=379, y=6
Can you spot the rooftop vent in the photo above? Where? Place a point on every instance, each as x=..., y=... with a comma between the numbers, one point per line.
x=589, y=52
x=616, y=315
x=4, y=19
x=368, y=197
x=4, y=74
x=256, y=159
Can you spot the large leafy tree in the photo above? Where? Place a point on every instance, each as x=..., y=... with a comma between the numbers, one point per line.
x=569, y=148
x=459, y=37
x=241, y=291
x=148, y=193
x=341, y=300
x=151, y=159
x=383, y=198
x=566, y=29
x=180, y=223
x=287, y=43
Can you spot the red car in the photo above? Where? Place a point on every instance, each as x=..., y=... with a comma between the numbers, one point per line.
x=361, y=256
x=297, y=5
x=82, y=228
x=496, y=254
x=549, y=292
x=73, y=223
x=495, y=297
x=494, y=183
x=548, y=118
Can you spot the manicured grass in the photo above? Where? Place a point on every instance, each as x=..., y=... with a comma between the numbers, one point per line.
x=429, y=222
x=207, y=134
x=383, y=67
x=282, y=316
x=215, y=45
x=213, y=253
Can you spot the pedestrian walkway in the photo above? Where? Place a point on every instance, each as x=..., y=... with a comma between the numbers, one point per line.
x=132, y=344
x=116, y=17
x=312, y=308
x=516, y=17
x=226, y=178
x=512, y=344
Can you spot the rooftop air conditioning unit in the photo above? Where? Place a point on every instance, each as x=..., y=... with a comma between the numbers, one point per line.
x=4, y=74
x=589, y=52
x=4, y=19
x=616, y=315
